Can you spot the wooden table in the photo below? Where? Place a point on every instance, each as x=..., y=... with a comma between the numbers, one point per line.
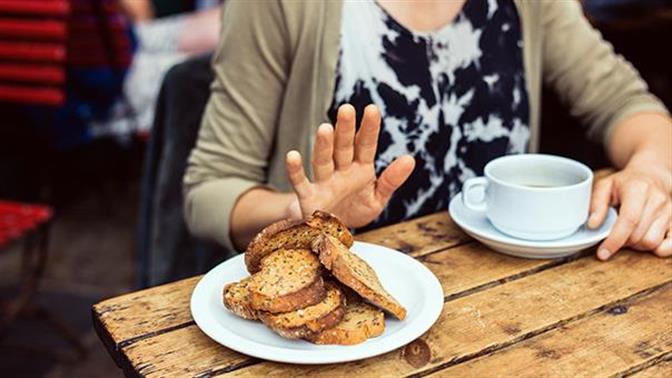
x=502, y=316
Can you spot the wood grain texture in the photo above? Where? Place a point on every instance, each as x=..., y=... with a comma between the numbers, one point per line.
x=419, y=236
x=503, y=315
x=600, y=345
x=661, y=369
x=462, y=269
x=186, y=352
x=147, y=311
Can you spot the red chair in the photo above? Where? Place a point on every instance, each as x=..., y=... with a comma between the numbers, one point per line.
x=29, y=223
x=32, y=71
x=32, y=40
x=39, y=41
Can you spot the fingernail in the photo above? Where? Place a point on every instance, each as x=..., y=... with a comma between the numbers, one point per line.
x=592, y=219
x=603, y=254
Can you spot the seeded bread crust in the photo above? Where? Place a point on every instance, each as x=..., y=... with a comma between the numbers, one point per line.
x=361, y=322
x=259, y=248
x=289, y=279
x=289, y=234
x=236, y=299
x=311, y=320
x=355, y=273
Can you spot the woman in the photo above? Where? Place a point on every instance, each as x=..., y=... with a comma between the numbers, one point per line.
x=455, y=83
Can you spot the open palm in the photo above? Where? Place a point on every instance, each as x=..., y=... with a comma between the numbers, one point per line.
x=345, y=181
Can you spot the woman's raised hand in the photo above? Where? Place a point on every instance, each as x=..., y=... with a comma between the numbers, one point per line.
x=345, y=181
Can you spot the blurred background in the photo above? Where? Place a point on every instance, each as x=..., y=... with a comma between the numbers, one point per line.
x=100, y=103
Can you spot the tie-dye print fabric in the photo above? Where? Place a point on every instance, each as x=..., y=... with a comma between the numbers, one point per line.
x=454, y=98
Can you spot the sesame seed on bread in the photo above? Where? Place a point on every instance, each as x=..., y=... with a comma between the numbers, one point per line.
x=361, y=322
x=237, y=301
x=352, y=271
x=289, y=279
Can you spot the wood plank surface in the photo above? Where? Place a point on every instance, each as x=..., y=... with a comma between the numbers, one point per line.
x=181, y=353
x=660, y=369
x=147, y=311
x=463, y=269
x=606, y=343
x=497, y=317
x=419, y=236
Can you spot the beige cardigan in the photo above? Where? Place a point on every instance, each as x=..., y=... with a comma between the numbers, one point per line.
x=274, y=81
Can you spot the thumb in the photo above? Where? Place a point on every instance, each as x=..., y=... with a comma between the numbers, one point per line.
x=393, y=176
x=294, y=210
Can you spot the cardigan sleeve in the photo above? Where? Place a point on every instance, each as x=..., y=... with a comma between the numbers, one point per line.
x=238, y=127
x=600, y=87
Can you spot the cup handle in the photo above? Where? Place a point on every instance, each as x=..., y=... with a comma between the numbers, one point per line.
x=467, y=187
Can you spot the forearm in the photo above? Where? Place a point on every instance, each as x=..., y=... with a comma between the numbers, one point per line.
x=644, y=141
x=256, y=209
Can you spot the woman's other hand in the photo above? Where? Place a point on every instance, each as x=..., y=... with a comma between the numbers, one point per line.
x=645, y=215
x=345, y=181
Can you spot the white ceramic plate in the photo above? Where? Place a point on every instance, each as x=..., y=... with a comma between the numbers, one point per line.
x=410, y=282
x=477, y=226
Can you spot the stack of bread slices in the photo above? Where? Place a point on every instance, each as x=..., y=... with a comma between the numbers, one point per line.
x=305, y=283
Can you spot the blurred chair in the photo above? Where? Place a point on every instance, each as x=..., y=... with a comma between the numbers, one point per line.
x=166, y=251
x=29, y=223
x=33, y=51
x=62, y=63
x=39, y=39
x=42, y=45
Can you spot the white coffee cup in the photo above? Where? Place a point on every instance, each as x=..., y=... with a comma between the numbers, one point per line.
x=533, y=196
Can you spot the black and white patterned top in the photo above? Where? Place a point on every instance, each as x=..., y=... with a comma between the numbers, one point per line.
x=454, y=98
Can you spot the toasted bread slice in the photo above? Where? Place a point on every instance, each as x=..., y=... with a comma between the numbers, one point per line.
x=289, y=279
x=236, y=299
x=310, y=320
x=361, y=322
x=355, y=273
x=288, y=234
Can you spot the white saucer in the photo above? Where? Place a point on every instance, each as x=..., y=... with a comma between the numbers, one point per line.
x=477, y=226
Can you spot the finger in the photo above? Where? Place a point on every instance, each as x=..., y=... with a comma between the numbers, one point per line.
x=665, y=248
x=297, y=175
x=654, y=203
x=633, y=199
x=599, y=203
x=344, y=136
x=654, y=234
x=393, y=176
x=323, y=150
x=366, y=140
